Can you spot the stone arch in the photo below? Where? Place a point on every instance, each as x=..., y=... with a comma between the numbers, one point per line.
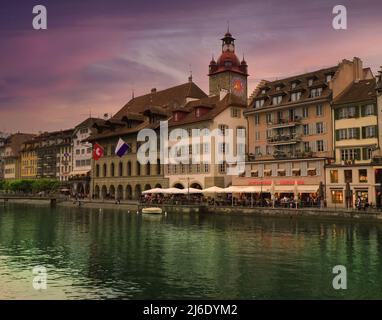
x=196, y=185
x=120, y=169
x=97, y=170
x=158, y=185
x=129, y=192
x=103, y=192
x=137, y=191
x=112, y=169
x=104, y=170
x=148, y=169
x=112, y=191
x=147, y=186
x=120, y=192
x=96, y=192
x=129, y=168
x=138, y=170
x=178, y=185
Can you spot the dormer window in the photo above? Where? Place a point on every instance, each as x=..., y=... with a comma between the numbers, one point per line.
x=277, y=100
x=294, y=85
x=295, y=96
x=259, y=103
x=197, y=112
x=263, y=91
x=328, y=78
x=317, y=92
x=310, y=82
x=278, y=88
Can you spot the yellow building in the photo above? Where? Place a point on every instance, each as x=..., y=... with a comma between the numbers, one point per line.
x=28, y=160
x=351, y=176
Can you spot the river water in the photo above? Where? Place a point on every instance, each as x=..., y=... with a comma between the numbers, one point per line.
x=115, y=254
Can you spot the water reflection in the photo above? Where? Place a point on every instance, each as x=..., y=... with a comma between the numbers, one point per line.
x=114, y=254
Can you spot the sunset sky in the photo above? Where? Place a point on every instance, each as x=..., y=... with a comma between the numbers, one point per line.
x=95, y=53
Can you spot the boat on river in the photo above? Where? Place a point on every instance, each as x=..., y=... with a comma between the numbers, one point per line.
x=152, y=210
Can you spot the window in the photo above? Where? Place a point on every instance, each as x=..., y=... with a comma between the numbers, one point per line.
x=259, y=103
x=333, y=176
x=269, y=133
x=346, y=112
x=328, y=78
x=319, y=110
x=362, y=175
x=317, y=92
x=206, y=167
x=353, y=133
x=319, y=127
x=310, y=82
x=277, y=100
x=369, y=132
x=78, y=151
x=223, y=128
x=241, y=149
x=269, y=117
x=348, y=176
x=305, y=128
x=206, y=148
x=295, y=96
x=263, y=91
x=320, y=145
x=369, y=110
x=367, y=153
x=306, y=146
x=257, y=135
x=240, y=132
x=337, y=196
x=222, y=167
x=294, y=85
x=235, y=113
x=257, y=119
x=305, y=112
x=341, y=134
x=257, y=151
x=350, y=154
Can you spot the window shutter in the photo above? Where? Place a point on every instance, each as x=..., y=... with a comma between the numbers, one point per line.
x=376, y=132
x=364, y=153
x=325, y=145
x=311, y=128
x=357, y=130
x=318, y=168
x=288, y=171
x=363, y=132
x=312, y=146
x=336, y=114
x=324, y=127
x=337, y=135
x=356, y=112
x=358, y=155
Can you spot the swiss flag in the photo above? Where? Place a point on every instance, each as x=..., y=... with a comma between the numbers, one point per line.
x=97, y=151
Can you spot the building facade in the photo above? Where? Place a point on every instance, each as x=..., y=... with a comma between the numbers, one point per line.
x=28, y=156
x=125, y=178
x=291, y=131
x=80, y=157
x=12, y=164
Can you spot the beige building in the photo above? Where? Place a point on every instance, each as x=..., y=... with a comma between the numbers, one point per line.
x=12, y=166
x=125, y=178
x=224, y=112
x=290, y=129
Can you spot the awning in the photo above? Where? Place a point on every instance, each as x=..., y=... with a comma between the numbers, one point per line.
x=212, y=190
x=190, y=191
x=296, y=169
x=268, y=170
x=307, y=189
x=155, y=190
x=311, y=169
x=280, y=170
x=79, y=173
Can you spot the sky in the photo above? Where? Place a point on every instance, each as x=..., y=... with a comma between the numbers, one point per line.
x=96, y=53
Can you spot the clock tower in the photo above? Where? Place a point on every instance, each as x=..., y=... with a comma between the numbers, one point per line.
x=228, y=72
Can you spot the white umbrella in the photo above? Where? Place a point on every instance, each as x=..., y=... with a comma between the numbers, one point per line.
x=155, y=190
x=173, y=191
x=213, y=190
x=190, y=191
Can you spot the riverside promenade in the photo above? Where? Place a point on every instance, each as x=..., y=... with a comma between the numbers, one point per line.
x=371, y=214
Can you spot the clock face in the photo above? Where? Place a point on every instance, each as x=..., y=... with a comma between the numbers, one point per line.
x=238, y=86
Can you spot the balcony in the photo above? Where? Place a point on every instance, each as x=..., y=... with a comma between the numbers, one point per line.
x=284, y=123
x=284, y=139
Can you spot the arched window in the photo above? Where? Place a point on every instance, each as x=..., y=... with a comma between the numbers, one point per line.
x=148, y=169
x=112, y=170
x=97, y=170
x=120, y=169
x=129, y=168
x=104, y=170
x=138, y=168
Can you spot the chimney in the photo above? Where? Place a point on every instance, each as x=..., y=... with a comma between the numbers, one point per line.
x=153, y=90
x=357, y=69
